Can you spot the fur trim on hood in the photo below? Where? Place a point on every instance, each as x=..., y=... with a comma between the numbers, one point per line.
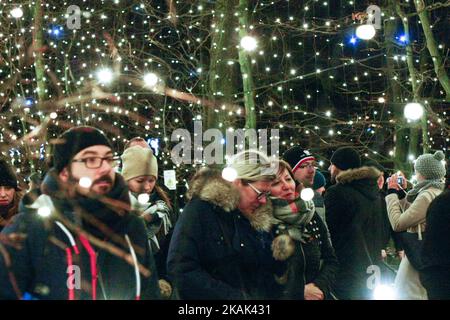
x=208, y=185
x=351, y=175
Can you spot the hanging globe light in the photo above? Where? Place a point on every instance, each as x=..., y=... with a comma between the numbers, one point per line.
x=413, y=111
x=248, y=43
x=365, y=31
x=16, y=13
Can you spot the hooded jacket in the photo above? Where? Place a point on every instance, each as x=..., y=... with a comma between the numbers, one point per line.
x=354, y=218
x=57, y=261
x=217, y=253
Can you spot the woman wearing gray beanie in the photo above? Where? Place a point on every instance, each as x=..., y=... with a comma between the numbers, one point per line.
x=407, y=212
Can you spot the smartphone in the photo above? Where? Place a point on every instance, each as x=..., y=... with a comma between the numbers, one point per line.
x=400, y=180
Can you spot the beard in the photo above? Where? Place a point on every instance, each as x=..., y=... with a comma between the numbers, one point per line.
x=76, y=190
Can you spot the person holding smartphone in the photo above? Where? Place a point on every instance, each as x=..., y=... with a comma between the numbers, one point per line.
x=407, y=212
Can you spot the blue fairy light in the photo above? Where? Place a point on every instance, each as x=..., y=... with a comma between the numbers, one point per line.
x=353, y=40
x=56, y=32
x=29, y=102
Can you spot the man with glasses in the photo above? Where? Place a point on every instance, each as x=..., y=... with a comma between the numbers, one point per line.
x=303, y=165
x=221, y=245
x=82, y=241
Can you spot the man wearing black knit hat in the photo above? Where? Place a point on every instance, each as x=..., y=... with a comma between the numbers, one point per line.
x=353, y=217
x=80, y=231
x=9, y=193
x=303, y=165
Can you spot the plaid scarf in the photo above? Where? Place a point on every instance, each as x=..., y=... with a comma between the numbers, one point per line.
x=293, y=216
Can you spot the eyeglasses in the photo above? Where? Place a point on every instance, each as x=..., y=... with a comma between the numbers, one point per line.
x=96, y=162
x=308, y=165
x=260, y=194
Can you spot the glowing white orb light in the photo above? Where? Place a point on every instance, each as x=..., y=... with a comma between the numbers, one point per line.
x=384, y=292
x=143, y=198
x=150, y=79
x=44, y=211
x=365, y=31
x=85, y=182
x=307, y=194
x=53, y=115
x=17, y=13
x=104, y=76
x=249, y=43
x=229, y=174
x=381, y=100
x=413, y=111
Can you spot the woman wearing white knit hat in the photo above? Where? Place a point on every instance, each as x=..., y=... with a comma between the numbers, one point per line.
x=140, y=171
x=407, y=212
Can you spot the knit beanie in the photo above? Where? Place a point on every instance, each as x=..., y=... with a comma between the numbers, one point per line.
x=346, y=158
x=8, y=177
x=430, y=166
x=75, y=140
x=138, y=161
x=319, y=180
x=295, y=156
x=252, y=165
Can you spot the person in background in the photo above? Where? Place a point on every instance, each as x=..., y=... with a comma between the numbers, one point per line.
x=10, y=193
x=319, y=189
x=140, y=171
x=435, y=276
x=302, y=240
x=353, y=213
x=407, y=212
x=303, y=165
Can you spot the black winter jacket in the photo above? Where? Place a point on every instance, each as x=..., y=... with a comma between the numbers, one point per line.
x=357, y=228
x=40, y=267
x=215, y=252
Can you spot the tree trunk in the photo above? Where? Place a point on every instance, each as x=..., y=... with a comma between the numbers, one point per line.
x=246, y=68
x=416, y=84
x=401, y=131
x=439, y=67
x=222, y=85
x=38, y=43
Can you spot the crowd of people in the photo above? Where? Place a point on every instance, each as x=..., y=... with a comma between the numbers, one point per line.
x=95, y=227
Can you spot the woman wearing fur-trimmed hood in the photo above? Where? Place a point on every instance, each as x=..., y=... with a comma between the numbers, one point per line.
x=221, y=245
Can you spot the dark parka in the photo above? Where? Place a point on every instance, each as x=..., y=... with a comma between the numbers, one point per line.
x=354, y=218
x=217, y=253
x=40, y=266
x=435, y=275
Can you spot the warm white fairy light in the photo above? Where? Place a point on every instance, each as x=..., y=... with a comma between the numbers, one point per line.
x=85, y=182
x=143, y=198
x=104, y=76
x=151, y=79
